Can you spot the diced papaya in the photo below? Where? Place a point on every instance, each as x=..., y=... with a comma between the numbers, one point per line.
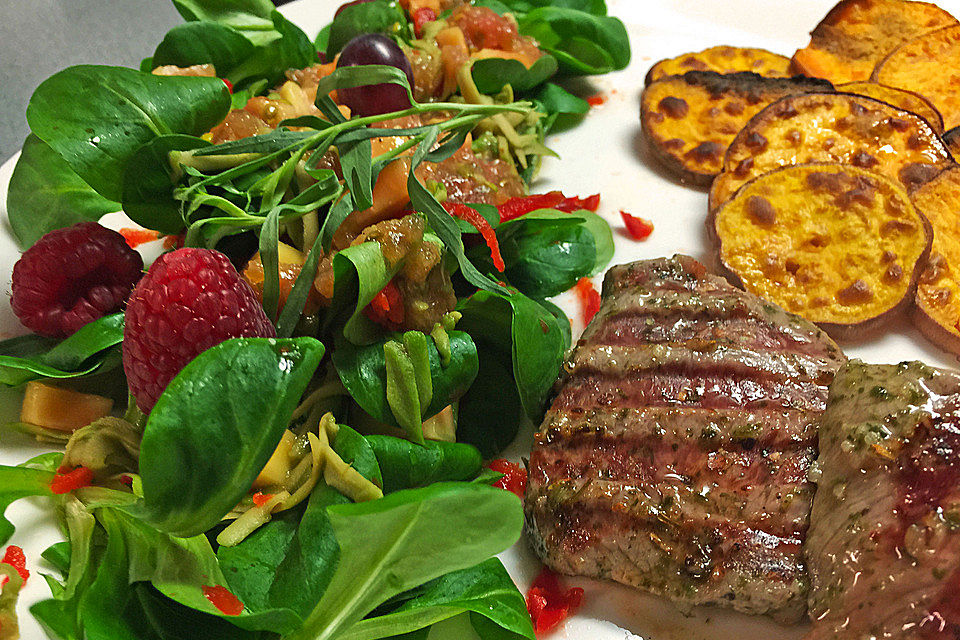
x=61, y=409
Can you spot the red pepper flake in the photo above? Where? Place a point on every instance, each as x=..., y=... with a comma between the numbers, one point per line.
x=15, y=558
x=472, y=216
x=589, y=299
x=596, y=100
x=225, y=602
x=421, y=17
x=136, y=237
x=386, y=308
x=548, y=603
x=516, y=207
x=127, y=480
x=514, y=477
x=260, y=498
x=638, y=228
x=66, y=481
x=229, y=84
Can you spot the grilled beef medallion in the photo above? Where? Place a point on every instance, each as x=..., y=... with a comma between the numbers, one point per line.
x=674, y=457
x=884, y=543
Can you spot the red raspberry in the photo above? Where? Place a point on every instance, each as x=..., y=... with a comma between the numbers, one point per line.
x=71, y=277
x=190, y=300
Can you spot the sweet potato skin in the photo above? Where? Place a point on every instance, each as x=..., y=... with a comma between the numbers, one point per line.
x=951, y=138
x=929, y=65
x=836, y=244
x=900, y=98
x=689, y=121
x=838, y=127
x=937, y=309
x=723, y=59
x=856, y=34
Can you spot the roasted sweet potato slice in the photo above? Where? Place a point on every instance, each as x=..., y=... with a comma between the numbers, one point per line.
x=690, y=120
x=723, y=59
x=900, y=98
x=838, y=245
x=841, y=127
x=929, y=65
x=856, y=34
x=937, y=312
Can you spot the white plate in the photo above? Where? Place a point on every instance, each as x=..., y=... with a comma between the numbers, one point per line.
x=603, y=155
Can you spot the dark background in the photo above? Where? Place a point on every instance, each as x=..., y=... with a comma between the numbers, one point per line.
x=40, y=37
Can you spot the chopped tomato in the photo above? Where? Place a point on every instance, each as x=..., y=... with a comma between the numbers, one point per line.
x=136, y=237
x=422, y=16
x=596, y=100
x=386, y=308
x=473, y=217
x=589, y=299
x=66, y=481
x=15, y=558
x=225, y=602
x=260, y=498
x=548, y=603
x=229, y=84
x=638, y=228
x=514, y=477
x=516, y=207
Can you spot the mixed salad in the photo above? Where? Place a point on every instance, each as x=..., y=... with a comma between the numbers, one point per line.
x=280, y=430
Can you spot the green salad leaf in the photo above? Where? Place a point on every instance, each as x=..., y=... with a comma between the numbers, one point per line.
x=406, y=465
x=252, y=18
x=492, y=74
x=216, y=425
x=46, y=194
x=484, y=590
x=363, y=371
x=405, y=539
x=521, y=346
x=87, y=351
x=114, y=110
x=16, y=483
x=583, y=43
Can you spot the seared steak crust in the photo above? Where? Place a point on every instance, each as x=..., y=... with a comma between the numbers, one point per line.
x=884, y=543
x=675, y=455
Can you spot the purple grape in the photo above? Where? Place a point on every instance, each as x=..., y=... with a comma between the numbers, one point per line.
x=374, y=99
x=349, y=4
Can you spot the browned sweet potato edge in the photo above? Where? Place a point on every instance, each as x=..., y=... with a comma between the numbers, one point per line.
x=851, y=332
x=712, y=204
x=936, y=126
x=665, y=159
x=675, y=165
x=647, y=78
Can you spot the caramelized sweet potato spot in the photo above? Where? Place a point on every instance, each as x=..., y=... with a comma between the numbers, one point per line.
x=937, y=312
x=823, y=127
x=900, y=98
x=929, y=65
x=723, y=59
x=690, y=120
x=856, y=34
x=836, y=244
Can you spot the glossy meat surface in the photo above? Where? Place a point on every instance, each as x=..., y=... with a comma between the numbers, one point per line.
x=884, y=542
x=674, y=457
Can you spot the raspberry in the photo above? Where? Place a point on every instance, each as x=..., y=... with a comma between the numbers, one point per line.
x=73, y=276
x=190, y=300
